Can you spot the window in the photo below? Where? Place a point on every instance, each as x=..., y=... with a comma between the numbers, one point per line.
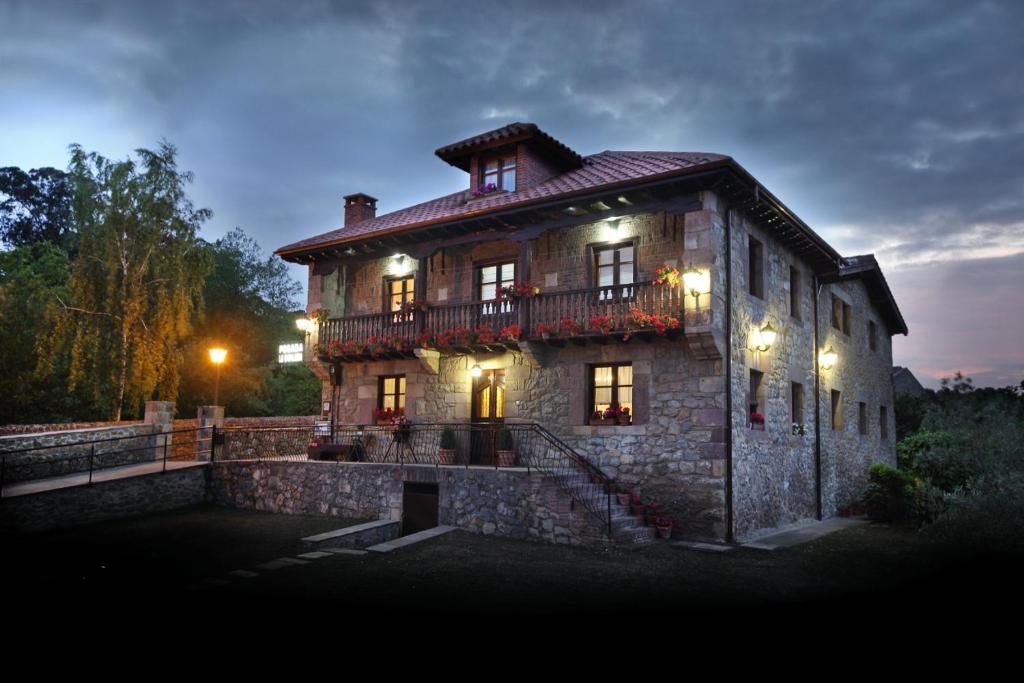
x=501, y=172
x=611, y=385
x=755, y=398
x=490, y=279
x=794, y=292
x=872, y=335
x=755, y=268
x=862, y=417
x=837, y=410
x=883, y=422
x=840, y=315
x=615, y=266
x=391, y=393
x=796, y=406
x=398, y=291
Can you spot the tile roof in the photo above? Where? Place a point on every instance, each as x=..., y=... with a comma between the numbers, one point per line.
x=458, y=153
x=598, y=170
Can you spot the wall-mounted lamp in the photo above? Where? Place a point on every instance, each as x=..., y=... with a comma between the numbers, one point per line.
x=400, y=264
x=475, y=371
x=305, y=324
x=613, y=230
x=696, y=282
x=827, y=358
x=762, y=339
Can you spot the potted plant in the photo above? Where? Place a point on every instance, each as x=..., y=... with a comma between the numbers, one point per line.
x=603, y=324
x=650, y=514
x=664, y=526
x=799, y=429
x=598, y=418
x=503, y=445
x=756, y=420
x=383, y=416
x=667, y=275
x=509, y=333
x=624, y=495
x=624, y=417
x=546, y=331
x=636, y=506
x=446, y=452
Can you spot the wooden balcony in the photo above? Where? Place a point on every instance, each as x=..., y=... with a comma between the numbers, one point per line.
x=640, y=310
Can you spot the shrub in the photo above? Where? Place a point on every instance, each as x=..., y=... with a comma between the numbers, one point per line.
x=504, y=439
x=938, y=457
x=888, y=497
x=448, y=439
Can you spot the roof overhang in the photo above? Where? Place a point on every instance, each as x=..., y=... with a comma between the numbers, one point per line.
x=866, y=268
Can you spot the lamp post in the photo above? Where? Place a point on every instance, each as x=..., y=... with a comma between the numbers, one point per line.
x=217, y=357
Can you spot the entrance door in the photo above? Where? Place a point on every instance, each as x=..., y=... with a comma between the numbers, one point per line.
x=488, y=412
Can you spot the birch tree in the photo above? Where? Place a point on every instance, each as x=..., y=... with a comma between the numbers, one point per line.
x=137, y=282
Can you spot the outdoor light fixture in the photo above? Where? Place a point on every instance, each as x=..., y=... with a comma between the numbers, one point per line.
x=217, y=357
x=762, y=339
x=696, y=281
x=612, y=230
x=475, y=371
x=304, y=324
x=400, y=264
x=827, y=358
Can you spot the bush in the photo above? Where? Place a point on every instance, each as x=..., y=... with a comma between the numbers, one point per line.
x=448, y=439
x=888, y=497
x=938, y=457
x=504, y=439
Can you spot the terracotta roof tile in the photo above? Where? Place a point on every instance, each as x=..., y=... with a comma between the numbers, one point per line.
x=598, y=170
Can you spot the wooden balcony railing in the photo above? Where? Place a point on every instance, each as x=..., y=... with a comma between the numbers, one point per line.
x=481, y=324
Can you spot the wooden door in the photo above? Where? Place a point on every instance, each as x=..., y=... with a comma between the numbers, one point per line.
x=488, y=412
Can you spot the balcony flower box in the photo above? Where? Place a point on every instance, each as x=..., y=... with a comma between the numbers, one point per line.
x=598, y=419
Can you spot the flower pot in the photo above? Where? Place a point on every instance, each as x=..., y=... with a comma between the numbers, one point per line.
x=624, y=420
x=624, y=498
x=506, y=458
x=664, y=532
x=446, y=456
x=601, y=422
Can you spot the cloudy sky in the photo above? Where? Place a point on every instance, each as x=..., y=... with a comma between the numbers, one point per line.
x=894, y=128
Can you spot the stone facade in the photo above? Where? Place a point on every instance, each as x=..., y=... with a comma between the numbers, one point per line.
x=511, y=503
x=67, y=507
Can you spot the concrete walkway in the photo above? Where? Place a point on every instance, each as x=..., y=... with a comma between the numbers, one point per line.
x=802, y=533
x=82, y=478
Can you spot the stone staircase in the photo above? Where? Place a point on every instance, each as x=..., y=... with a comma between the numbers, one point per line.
x=626, y=529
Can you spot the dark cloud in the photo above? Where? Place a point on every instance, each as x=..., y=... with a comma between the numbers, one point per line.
x=895, y=128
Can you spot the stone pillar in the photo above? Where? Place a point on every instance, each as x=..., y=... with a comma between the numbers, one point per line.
x=160, y=414
x=207, y=416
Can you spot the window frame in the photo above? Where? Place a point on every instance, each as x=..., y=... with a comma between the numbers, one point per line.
x=862, y=418
x=795, y=293
x=500, y=173
x=409, y=295
x=755, y=266
x=756, y=395
x=797, y=410
x=615, y=387
x=872, y=335
x=496, y=305
x=883, y=423
x=401, y=389
x=595, y=250
x=837, y=410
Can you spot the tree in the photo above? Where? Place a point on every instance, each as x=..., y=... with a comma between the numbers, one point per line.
x=36, y=207
x=249, y=299
x=31, y=277
x=137, y=282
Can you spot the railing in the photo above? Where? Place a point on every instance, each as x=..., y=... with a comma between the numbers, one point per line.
x=45, y=462
x=579, y=306
x=475, y=445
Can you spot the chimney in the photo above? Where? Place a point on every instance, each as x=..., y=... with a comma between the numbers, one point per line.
x=359, y=207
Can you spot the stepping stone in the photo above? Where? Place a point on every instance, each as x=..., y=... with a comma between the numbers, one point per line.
x=410, y=539
x=281, y=562
x=243, y=574
x=345, y=551
x=704, y=547
x=314, y=555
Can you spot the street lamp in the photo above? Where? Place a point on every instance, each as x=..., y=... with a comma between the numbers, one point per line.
x=217, y=357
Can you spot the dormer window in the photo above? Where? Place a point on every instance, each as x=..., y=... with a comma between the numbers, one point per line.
x=501, y=173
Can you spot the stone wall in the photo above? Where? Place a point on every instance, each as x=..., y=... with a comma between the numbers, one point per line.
x=774, y=469
x=510, y=503
x=54, y=454
x=16, y=430
x=104, y=500
x=861, y=376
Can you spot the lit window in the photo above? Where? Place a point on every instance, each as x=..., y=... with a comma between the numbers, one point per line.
x=613, y=267
x=611, y=386
x=490, y=281
x=391, y=394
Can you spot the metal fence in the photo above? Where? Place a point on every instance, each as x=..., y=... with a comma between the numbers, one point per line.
x=89, y=457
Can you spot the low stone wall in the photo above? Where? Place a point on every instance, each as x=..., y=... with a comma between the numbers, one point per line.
x=509, y=502
x=15, y=430
x=58, y=453
x=115, y=499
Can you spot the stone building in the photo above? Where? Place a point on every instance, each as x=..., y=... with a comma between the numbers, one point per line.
x=756, y=373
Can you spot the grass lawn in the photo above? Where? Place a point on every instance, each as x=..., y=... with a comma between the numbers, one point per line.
x=164, y=558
